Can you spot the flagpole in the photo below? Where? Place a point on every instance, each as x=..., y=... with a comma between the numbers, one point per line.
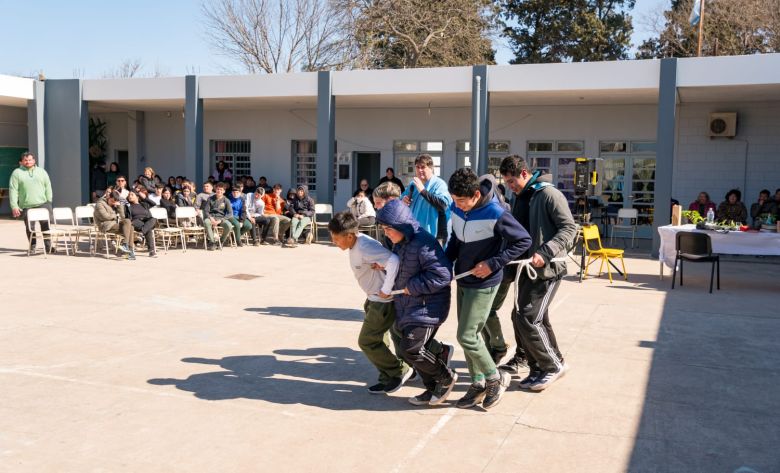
x=701, y=27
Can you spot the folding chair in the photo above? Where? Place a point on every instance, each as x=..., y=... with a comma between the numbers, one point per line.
x=85, y=218
x=325, y=210
x=187, y=221
x=164, y=231
x=620, y=225
x=71, y=225
x=590, y=233
x=696, y=248
x=42, y=215
x=369, y=230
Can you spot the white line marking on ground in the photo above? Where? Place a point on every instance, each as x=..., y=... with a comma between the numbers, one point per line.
x=423, y=442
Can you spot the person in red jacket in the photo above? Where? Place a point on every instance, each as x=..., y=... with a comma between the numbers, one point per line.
x=274, y=210
x=703, y=204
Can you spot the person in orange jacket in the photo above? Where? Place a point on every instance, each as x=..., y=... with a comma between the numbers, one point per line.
x=274, y=210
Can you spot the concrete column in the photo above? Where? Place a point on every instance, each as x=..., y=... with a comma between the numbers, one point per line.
x=136, y=144
x=480, y=108
x=66, y=132
x=665, y=143
x=193, y=131
x=326, y=137
x=36, y=141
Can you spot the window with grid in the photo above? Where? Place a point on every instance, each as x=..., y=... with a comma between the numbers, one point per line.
x=235, y=153
x=406, y=151
x=558, y=157
x=305, y=159
x=497, y=151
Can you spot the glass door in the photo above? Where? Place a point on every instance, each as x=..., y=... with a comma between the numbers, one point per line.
x=627, y=180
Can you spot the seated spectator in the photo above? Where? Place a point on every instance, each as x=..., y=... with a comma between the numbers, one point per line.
x=732, y=209
x=108, y=221
x=764, y=207
x=274, y=210
x=147, y=179
x=702, y=204
x=121, y=190
x=185, y=198
x=142, y=220
x=180, y=180
x=288, y=203
x=360, y=207
x=217, y=211
x=263, y=183
x=143, y=197
x=390, y=177
x=302, y=210
x=158, y=181
x=171, y=183
x=157, y=194
x=777, y=200
x=385, y=192
x=254, y=208
x=222, y=173
x=366, y=188
x=166, y=202
x=200, y=200
x=249, y=185
x=239, y=219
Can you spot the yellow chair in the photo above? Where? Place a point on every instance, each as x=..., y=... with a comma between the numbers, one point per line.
x=591, y=233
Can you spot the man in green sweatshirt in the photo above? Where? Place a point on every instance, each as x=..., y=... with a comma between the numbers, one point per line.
x=30, y=188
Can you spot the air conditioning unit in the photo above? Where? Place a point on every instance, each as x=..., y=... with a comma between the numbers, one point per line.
x=723, y=124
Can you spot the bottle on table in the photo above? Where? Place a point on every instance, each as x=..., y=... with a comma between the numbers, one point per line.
x=710, y=216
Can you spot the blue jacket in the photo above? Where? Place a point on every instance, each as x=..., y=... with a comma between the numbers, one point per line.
x=489, y=233
x=431, y=207
x=239, y=206
x=424, y=270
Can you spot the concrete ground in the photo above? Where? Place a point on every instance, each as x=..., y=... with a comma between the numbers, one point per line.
x=169, y=365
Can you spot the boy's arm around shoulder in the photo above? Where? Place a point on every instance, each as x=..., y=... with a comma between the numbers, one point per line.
x=516, y=237
x=435, y=272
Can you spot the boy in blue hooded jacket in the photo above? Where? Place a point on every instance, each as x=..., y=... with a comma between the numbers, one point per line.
x=424, y=276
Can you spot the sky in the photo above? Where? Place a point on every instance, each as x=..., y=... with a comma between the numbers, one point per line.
x=90, y=38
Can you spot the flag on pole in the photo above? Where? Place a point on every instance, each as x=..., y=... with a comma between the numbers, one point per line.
x=695, y=13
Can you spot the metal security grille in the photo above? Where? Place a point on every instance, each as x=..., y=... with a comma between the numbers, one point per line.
x=305, y=164
x=497, y=151
x=406, y=152
x=235, y=153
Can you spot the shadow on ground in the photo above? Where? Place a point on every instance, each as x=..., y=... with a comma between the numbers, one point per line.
x=713, y=394
x=321, y=377
x=322, y=313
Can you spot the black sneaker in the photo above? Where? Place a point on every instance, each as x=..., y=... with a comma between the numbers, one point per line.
x=526, y=382
x=395, y=384
x=447, y=351
x=153, y=254
x=210, y=246
x=514, y=365
x=546, y=378
x=378, y=388
x=413, y=376
x=473, y=396
x=422, y=399
x=495, y=389
x=498, y=354
x=443, y=389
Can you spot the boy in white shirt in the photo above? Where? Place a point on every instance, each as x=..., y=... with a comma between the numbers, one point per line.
x=364, y=254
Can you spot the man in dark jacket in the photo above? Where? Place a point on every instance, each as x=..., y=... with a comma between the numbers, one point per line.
x=424, y=277
x=552, y=231
x=485, y=237
x=98, y=180
x=302, y=211
x=217, y=211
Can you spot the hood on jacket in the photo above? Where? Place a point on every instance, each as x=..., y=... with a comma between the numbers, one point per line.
x=396, y=215
x=487, y=188
x=305, y=190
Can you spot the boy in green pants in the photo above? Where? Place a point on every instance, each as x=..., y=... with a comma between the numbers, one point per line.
x=364, y=253
x=485, y=237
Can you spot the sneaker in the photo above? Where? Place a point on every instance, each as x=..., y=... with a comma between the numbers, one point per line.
x=443, y=389
x=256, y=243
x=395, y=384
x=124, y=248
x=153, y=254
x=514, y=365
x=422, y=399
x=413, y=376
x=210, y=246
x=498, y=354
x=473, y=396
x=447, y=351
x=546, y=378
x=264, y=242
x=378, y=388
x=529, y=380
x=131, y=256
x=495, y=389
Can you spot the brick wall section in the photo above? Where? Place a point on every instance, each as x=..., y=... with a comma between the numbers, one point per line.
x=717, y=165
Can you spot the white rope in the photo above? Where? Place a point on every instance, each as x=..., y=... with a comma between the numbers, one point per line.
x=532, y=274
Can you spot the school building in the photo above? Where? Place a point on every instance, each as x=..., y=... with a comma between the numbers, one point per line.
x=655, y=129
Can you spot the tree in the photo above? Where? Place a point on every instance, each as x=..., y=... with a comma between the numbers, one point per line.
x=731, y=27
x=420, y=33
x=274, y=36
x=567, y=30
x=129, y=68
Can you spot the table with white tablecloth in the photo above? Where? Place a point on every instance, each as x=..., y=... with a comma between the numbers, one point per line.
x=731, y=243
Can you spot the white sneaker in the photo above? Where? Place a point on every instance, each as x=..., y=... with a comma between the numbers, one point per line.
x=546, y=378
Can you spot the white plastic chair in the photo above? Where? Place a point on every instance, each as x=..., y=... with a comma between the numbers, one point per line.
x=186, y=220
x=42, y=215
x=325, y=210
x=165, y=231
x=630, y=215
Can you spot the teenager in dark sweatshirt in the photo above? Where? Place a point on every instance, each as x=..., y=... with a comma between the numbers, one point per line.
x=485, y=237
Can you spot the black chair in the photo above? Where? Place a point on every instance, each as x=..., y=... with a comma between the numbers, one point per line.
x=696, y=248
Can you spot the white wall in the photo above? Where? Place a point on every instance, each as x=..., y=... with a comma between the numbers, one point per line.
x=717, y=165
x=164, y=144
x=13, y=126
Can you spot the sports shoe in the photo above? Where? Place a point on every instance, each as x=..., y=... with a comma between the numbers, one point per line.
x=131, y=256
x=473, y=396
x=443, y=389
x=498, y=354
x=395, y=384
x=495, y=389
x=546, y=378
x=422, y=399
x=514, y=365
x=378, y=388
x=124, y=248
x=526, y=382
x=153, y=254
x=447, y=351
x=413, y=376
